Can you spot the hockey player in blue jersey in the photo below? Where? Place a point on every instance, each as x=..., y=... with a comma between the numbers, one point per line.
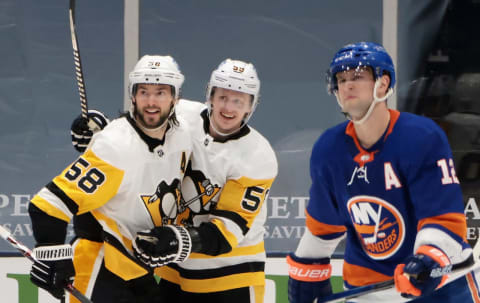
x=386, y=182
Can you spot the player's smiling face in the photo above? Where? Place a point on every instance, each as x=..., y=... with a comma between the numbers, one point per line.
x=152, y=104
x=355, y=91
x=229, y=108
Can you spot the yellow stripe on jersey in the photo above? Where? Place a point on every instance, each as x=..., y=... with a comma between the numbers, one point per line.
x=90, y=182
x=236, y=252
x=122, y=266
x=244, y=196
x=230, y=237
x=115, y=260
x=259, y=293
x=85, y=256
x=212, y=284
x=50, y=209
x=112, y=227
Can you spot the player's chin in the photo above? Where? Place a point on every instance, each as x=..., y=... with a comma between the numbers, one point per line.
x=155, y=125
x=228, y=127
x=151, y=123
x=356, y=114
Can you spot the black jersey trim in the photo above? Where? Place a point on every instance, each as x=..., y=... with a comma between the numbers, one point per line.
x=46, y=229
x=241, y=222
x=213, y=242
x=87, y=227
x=152, y=143
x=110, y=239
x=57, y=191
x=245, y=130
x=219, y=271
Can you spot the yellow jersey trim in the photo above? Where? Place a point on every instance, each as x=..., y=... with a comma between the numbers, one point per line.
x=49, y=209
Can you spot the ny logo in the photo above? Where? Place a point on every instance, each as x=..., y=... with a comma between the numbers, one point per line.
x=360, y=173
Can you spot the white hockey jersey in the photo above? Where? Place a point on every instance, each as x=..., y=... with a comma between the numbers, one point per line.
x=128, y=181
x=227, y=184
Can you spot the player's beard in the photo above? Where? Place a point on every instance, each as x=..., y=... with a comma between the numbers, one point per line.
x=150, y=123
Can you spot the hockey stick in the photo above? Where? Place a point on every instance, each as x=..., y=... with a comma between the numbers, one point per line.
x=78, y=62
x=363, y=290
x=26, y=252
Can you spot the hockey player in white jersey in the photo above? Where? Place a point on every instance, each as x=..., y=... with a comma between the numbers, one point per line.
x=127, y=181
x=223, y=196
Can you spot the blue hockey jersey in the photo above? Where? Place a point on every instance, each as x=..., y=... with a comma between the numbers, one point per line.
x=389, y=199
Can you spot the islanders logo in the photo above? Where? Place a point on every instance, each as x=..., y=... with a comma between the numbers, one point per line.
x=379, y=226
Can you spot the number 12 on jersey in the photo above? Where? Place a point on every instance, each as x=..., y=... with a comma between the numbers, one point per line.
x=448, y=171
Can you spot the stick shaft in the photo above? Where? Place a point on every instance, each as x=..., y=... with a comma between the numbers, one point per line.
x=364, y=290
x=26, y=252
x=78, y=63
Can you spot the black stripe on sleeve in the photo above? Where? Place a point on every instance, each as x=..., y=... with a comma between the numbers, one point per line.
x=46, y=229
x=57, y=191
x=241, y=222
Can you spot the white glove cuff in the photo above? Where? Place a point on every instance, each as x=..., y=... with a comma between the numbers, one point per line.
x=184, y=243
x=53, y=252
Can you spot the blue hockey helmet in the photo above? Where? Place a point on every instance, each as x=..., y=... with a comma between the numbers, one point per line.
x=359, y=54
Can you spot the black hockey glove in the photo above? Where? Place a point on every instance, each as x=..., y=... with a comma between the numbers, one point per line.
x=162, y=245
x=53, y=269
x=82, y=129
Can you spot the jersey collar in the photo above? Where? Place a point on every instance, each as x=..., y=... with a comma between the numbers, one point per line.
x=152, y=143
x=365, y=156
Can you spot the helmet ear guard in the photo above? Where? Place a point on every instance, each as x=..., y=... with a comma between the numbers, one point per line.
x=356, y=55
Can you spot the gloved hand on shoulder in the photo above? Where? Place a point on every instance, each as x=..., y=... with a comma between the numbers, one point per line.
x=83, y=129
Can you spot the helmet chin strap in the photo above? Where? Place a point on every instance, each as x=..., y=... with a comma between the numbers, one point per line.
x=372, y=105
x=210, y=113
x=225, y=134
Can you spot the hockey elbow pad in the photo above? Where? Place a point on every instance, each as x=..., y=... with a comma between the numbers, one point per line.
x=309, y=278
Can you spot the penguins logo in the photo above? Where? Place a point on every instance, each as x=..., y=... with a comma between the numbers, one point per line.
x=197, y=196
x=379, y=225
x=163, y=204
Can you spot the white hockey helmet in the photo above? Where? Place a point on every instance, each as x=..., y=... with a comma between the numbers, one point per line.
x=238, y=76
x=155, y=69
